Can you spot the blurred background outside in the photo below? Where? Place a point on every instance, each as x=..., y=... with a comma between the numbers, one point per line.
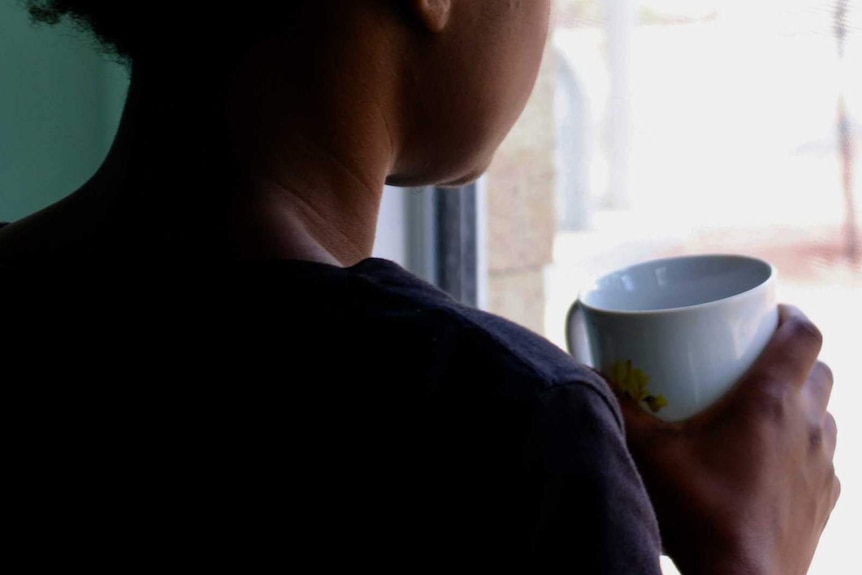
x=668, y=127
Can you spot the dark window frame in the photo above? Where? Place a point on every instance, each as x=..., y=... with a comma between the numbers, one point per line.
x=444, y=243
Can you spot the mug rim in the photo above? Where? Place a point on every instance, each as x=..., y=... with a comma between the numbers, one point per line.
x=772, y=272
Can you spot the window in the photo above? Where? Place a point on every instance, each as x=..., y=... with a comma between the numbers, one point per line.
x=665, y=127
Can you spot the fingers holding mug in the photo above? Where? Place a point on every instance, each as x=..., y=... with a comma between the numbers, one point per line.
x=791, y=352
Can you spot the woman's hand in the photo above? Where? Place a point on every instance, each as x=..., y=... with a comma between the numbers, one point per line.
x=747, y=486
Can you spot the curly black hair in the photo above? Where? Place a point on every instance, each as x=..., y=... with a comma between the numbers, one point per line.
x=135, y=29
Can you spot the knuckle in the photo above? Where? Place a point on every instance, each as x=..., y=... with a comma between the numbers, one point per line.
x=824, y=373
x=771, y=414
x=822, y=435
x=772, y=404
x=803, y=328
x=831, y=426
x=816, y=439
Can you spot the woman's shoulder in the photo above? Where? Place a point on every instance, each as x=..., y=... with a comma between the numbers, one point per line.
x=481, y=342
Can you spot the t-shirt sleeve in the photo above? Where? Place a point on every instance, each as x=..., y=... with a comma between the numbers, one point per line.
x=594, y=513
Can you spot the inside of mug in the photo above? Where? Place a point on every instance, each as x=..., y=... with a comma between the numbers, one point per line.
x=677, y=282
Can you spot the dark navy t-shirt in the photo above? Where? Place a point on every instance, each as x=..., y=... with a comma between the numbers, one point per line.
x=299, y=413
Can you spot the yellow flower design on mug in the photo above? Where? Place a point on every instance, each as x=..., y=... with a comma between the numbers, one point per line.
x=633, y=382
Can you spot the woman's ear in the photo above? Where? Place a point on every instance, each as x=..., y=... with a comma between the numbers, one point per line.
x=434, y=14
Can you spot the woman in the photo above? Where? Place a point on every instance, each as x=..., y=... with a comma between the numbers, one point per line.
x=330, y=406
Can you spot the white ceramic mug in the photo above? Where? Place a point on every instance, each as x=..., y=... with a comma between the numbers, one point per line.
x=676, y=334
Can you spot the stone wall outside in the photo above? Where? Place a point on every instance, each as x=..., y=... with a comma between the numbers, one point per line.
x=521, y=216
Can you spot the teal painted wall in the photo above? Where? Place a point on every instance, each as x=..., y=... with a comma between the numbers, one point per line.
x=60, y=103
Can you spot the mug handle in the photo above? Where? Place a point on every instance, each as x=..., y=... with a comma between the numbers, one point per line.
x=576, y=334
